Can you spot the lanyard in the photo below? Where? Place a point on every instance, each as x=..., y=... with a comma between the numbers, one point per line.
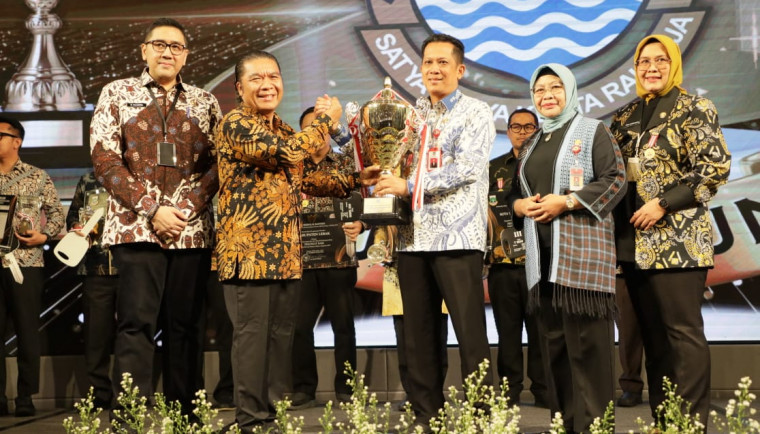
x=161, y=112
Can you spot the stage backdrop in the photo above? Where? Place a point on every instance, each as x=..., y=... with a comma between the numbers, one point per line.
x=346, y=48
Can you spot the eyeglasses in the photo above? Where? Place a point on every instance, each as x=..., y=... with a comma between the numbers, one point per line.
x=659, y=62
x=528, y=128
x=555, y=89
x=160, y=46
x=7, y=135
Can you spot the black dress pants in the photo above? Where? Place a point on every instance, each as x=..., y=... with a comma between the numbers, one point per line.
x=332, y=288
x=263, y=317
x=426, y=279
x=403, y=366
x=668, y=305
x=508, y=290
x=630, y=347
x=99, y=308
x=166, y=287
x=22, y=302
x=578, y=360
x=220, y=321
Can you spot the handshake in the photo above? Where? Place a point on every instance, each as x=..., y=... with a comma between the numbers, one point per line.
x=330, y=106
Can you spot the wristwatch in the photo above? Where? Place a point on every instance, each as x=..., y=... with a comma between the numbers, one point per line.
x=664, y=204
x=569, y=203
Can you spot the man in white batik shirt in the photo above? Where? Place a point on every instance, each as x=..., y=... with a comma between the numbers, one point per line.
x=441, y=252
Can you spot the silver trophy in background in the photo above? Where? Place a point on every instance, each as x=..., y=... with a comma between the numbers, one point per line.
x=43, y=82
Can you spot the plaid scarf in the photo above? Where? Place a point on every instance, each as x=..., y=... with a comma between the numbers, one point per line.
x=583, y=256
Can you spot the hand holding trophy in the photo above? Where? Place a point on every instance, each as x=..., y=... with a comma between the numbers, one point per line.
x=384, y=130
x=381, y=128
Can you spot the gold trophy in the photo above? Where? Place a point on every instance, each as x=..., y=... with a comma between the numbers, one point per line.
x=383, y=136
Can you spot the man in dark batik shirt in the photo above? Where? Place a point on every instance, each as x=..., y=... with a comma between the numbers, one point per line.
x=99, y=291
x=507, y=287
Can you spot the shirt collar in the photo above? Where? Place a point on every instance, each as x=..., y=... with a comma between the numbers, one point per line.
x=451, y=99
x=510, y=154
x=17, y=167
x=147, y=80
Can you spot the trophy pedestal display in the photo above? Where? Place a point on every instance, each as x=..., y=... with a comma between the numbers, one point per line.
x=389, y=210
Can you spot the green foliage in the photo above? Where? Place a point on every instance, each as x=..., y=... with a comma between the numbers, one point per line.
x=479, y=409
x=739, y=412
x=89, y=417
x=672, y=416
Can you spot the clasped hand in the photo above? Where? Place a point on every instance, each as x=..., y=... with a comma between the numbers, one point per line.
x=329, y=106
x=169, y=222
x=541, y=209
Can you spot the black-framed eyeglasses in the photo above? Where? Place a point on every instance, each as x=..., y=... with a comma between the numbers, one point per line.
x=659, y=63
x=7, y=135
x=160, y=46
x=528, y=128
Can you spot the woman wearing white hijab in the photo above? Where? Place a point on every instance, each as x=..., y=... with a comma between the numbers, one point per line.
x=571, y=177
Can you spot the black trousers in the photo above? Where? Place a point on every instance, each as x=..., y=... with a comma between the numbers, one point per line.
x=579, y=363
x=99, y=308
x=332, y=288
x=23, y=303
x=166, y=287
x=668, y=305
x=263, y=318
x=508, y=290
x=426, y=279
x=630, y=346
x=219, y=320
x=403, y=366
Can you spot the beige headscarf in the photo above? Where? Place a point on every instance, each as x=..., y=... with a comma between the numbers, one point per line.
x=675, y=77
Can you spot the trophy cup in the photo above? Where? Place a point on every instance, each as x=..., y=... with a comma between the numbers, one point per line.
x=94, y=199
x=27, y=214
x=383, y=122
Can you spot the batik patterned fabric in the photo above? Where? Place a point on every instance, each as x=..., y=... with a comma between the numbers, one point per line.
x=686, y=165
x=454, y=214
x=261, y=176
x=124, y=134
x=36, y=187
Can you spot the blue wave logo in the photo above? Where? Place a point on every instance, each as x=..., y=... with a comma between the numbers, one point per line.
x=516, y=36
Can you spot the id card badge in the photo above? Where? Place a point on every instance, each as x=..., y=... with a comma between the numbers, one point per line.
x=576, y=178
x=434, y=158
x=166, y=154
x=632, y=169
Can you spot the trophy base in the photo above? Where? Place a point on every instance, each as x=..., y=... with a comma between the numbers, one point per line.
x=383, y=211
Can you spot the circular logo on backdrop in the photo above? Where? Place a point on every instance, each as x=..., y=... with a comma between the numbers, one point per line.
x=505, y=40
x=517, y=36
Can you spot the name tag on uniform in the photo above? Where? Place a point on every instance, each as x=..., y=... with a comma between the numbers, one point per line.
x=166, y=154
x=434, y=158
x=576, y=178
x=137, y=104
x=632, y=169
